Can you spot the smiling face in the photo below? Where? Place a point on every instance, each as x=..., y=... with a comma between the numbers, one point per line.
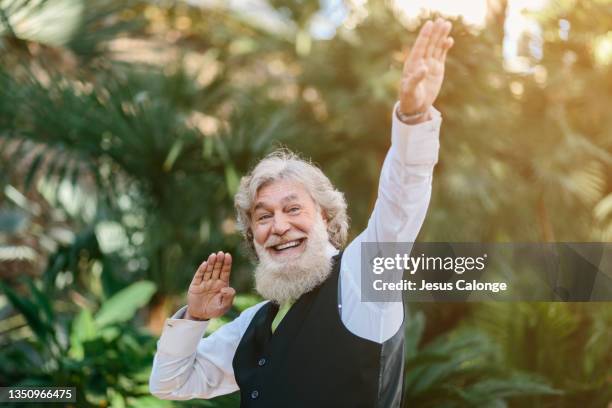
x=294, y=220
x=283, y=216
x=291, y=240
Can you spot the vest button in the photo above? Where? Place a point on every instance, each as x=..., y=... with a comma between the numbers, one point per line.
x=254, y=394
x=261, y=362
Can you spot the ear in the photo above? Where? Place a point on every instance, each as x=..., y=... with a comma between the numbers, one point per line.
x=250, y=245
x=323, y=216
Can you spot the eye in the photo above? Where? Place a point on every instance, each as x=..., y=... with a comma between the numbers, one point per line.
x=294, y=209
x=263, y=217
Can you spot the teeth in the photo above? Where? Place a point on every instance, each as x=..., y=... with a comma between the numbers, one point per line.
x=287, y=245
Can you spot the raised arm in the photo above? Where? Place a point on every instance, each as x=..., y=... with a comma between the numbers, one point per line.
x=405, y=181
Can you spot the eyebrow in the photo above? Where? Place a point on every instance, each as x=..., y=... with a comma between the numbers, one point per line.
x=285, y=200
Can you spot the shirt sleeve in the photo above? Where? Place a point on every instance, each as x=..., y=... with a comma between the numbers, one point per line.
x=404, y=192
x=188, y=366
x=405, y=181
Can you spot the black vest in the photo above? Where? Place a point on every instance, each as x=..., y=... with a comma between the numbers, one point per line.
x=312, y=360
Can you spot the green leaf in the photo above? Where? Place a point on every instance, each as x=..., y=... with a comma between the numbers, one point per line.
x=42, y=301
x=174, y=153
x=232, y=179
x=83, y=329
x=244, y=301
x=148, y=402
x=414, y=332
x=116, y=399
x=29, y=310
x=124, y=304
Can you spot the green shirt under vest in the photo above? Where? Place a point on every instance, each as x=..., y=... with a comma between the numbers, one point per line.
x=282, y=311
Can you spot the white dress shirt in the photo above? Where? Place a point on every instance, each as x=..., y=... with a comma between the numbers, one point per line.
x=188, y=366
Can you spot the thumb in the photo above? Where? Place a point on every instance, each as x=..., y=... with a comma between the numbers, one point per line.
x=227, y=296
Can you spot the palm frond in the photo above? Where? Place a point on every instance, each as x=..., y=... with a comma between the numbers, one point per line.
x=83, y=27
x=463, y=369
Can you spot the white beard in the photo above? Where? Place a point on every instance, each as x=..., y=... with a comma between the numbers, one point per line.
x=286, y=281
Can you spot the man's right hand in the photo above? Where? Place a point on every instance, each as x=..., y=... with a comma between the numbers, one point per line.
x=209, y=294
x=423, y=71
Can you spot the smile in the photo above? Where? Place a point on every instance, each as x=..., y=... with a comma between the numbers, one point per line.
x=288, y=245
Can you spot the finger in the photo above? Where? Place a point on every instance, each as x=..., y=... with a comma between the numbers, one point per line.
x=218, y=264
x=418, y=50
x=227, y=268
x=227, y=297
x=447, y=46
x=199, y=275
x=439, y=50
x=209, y=266
x=433, y=38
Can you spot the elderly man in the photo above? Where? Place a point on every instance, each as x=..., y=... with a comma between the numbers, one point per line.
x=312, y=342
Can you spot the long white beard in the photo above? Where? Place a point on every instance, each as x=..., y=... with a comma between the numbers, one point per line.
x=288, y=280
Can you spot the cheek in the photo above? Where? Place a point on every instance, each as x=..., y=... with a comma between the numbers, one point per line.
x=305, y=224
x=260, y=233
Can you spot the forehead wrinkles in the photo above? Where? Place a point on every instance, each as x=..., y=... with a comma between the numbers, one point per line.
x=284, y=201
x=285, y=188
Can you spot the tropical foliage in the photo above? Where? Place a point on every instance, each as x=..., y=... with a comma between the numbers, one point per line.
x=125, y=127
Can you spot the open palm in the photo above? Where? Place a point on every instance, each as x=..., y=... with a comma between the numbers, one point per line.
x=423, y=71
x=209, y=293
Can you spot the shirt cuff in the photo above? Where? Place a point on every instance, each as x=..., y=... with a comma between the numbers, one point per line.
x=417, y=144
x=180, y=337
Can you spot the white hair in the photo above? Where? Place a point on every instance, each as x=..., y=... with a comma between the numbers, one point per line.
x=283, y=164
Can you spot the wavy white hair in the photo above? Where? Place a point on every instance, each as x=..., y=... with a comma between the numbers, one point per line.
x=283, y=164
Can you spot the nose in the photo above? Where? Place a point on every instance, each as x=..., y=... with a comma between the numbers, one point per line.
x=281, y=225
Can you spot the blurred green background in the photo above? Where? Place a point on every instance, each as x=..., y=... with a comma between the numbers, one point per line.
x=125, y=127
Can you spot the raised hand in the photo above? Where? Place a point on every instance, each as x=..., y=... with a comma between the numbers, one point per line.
x=209, y=293
x=423, y=71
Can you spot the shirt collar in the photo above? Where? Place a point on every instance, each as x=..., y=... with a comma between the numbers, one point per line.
x=331, y=250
